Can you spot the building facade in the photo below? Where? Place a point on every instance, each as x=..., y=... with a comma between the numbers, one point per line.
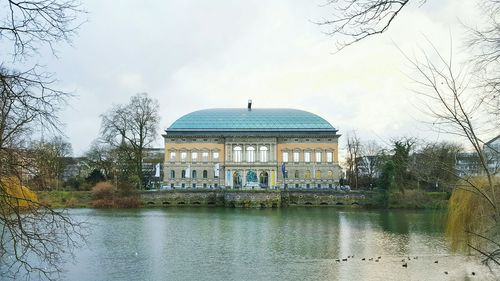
x=251, y=148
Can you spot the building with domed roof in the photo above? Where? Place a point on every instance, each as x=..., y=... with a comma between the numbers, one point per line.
x=251, y=148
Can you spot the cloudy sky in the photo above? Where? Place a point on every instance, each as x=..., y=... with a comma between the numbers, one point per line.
x=192, y=55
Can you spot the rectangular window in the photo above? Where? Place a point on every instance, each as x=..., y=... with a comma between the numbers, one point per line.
x=263, y=156
x=296, y=156
x=215, y=156
x=285, y=157
x=194, y=156
x=204, y=156
x=329, y=157
x=237, y=156
x=172, y=156
x=318, y=156
x=251, y=155
x=307, y=157
x=183, y=156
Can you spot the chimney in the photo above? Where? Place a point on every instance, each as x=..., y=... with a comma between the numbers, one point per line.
x=249, y=105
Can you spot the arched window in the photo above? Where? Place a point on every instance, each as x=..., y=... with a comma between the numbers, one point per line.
x=205, y=174
x=237, y=154
x=250, y=154
x=296, y=174
x=264, y=152
x=172, y=174
x=183, y=174
x=307, y=174
x=318, y=174
x=194, y=174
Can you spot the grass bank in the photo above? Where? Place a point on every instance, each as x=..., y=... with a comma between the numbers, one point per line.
x=416, y=199
x=66, y=199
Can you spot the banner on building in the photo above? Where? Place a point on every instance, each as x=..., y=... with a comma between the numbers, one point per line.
x=157, y=170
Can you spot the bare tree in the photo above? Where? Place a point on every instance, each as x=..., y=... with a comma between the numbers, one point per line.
x=484, y=41
x=353, y=158
x=132, y=127
x=34, y=239
x=355, y=20
x=31, y=24
x=49, y=162
x=458, y=110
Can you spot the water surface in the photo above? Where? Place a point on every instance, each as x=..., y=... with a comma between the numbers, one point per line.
x=267, y=244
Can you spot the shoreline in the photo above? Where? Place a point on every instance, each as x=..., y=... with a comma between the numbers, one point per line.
x=244, y=199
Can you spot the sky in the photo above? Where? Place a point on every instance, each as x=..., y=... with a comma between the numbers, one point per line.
x=192, y=55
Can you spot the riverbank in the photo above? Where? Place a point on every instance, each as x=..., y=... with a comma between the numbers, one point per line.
x=250, y=199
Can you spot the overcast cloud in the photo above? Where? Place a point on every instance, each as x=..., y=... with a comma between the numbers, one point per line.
x=192, y=55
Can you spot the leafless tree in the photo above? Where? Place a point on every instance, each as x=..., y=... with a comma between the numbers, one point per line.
x=458, y=110
x=49, y=161
x=355, y=20
x=133, y=126
x=29, y=25
x=484, y=41
x=34, y=239
x=353, y=158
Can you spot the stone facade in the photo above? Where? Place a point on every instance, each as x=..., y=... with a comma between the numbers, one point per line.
x=247, y=158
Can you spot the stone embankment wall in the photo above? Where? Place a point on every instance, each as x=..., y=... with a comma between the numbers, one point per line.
x=253, y=199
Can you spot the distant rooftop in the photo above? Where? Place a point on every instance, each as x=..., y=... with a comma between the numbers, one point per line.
x=249, y=120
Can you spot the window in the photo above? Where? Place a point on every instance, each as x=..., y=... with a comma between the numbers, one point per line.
x=318, y=156
x=330, y=174
x=215, y=156
x=329, y=157
x=307, y=157
x=318, y=174
x=194, y=156
x=193, y=174
x=172, y=156
x=205, y=174
x=183, y=156
x=204, y=156
x=296, y=174
x=285, y=157
x=263, y=154
x=250, y=154
x=172, y=174
x=307, y=174
x=237, y=154
x=183, y=174
x=296, y=156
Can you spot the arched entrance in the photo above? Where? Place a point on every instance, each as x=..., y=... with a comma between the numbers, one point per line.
x=264, y=179
x=236, y=180
x=251, y=179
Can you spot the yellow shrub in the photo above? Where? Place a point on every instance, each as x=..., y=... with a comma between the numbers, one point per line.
x=470, y=214
x=15, y=193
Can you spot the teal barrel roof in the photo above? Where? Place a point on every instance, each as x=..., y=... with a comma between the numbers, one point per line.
x=259, y=119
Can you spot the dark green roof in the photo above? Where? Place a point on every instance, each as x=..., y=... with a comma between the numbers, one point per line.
x=236, y=119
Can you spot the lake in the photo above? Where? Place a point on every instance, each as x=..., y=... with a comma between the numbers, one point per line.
x=268, y=244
